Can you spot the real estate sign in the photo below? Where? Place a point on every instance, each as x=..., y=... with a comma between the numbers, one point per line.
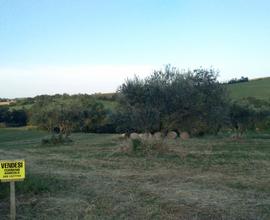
x=12, y=170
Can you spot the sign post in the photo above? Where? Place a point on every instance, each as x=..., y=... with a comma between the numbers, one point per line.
x=12, y=171
x=12, y=201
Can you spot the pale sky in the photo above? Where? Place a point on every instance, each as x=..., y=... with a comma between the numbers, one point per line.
x=67, y=46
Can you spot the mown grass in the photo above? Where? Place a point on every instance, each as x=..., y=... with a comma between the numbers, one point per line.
x=201, y=178
x=20, y=137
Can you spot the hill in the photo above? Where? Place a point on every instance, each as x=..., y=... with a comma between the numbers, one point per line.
x=258, y=88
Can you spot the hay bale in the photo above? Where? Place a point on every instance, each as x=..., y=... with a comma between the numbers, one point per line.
x=123, y=136
x=141, y=136
x=184, y=135
x=158, y=135
x=145, y=136
x=134, y=136
x=172, y=135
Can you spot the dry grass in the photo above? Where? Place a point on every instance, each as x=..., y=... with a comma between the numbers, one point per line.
x=94, y=179
x=5, y=103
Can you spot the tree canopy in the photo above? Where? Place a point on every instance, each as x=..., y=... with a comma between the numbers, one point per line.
x=172, y=100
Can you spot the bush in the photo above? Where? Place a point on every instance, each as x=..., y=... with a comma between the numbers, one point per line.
x=56, y=139
x=78, y=114
x=249, y=114
x=13, y=117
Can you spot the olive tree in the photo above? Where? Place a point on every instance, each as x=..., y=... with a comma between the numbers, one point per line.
x=172, y=100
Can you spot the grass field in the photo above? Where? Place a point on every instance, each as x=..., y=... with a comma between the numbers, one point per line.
x=259, y=88
x=209, y=178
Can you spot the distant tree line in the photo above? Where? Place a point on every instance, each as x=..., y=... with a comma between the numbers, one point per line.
x=241, y=80
x=4, y=100
x=13, y=117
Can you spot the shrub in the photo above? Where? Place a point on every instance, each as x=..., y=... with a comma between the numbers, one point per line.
x=13, y=117
x=78, y=114
x=56, y=139
x=249, y=114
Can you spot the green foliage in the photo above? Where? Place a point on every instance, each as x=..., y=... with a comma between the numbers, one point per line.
x=81, y=114
x=3, y=114
x=250, y=113
x=136, y=144
x=169, y=100
x=13, y=117
x=148, y=146
x=56, y=139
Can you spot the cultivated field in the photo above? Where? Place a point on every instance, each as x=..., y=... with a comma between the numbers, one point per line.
x=201, y=178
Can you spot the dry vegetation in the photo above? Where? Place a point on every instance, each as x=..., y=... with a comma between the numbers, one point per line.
x=92, y=178
x=5, y=103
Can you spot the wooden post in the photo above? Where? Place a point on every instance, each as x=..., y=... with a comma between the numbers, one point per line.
x=12, y=201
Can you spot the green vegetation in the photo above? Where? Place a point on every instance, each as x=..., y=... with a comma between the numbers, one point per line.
x=215, y=177
x=102, y=176
x=81, y=114
x=192, y=101
x=167, y=100
x=259, y=88
x=12, y=117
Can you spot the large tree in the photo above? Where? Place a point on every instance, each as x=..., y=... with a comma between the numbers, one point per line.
x=172, y=100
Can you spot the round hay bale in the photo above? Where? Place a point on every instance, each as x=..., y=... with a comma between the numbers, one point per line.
x=122, y=136
x=145, y=136
x=172, y=135
x=141, y=136
x=184, y=135
x=158, y=135
x=134, y=136
x=150, y=136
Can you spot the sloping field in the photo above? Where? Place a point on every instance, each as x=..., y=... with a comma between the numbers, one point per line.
x=258, y=88
x=210, y=178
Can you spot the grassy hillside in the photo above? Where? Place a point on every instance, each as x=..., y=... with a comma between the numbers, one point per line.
x=258, y=88
x=210, y=178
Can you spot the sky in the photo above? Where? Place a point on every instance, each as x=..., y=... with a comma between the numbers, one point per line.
x=67, y=46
